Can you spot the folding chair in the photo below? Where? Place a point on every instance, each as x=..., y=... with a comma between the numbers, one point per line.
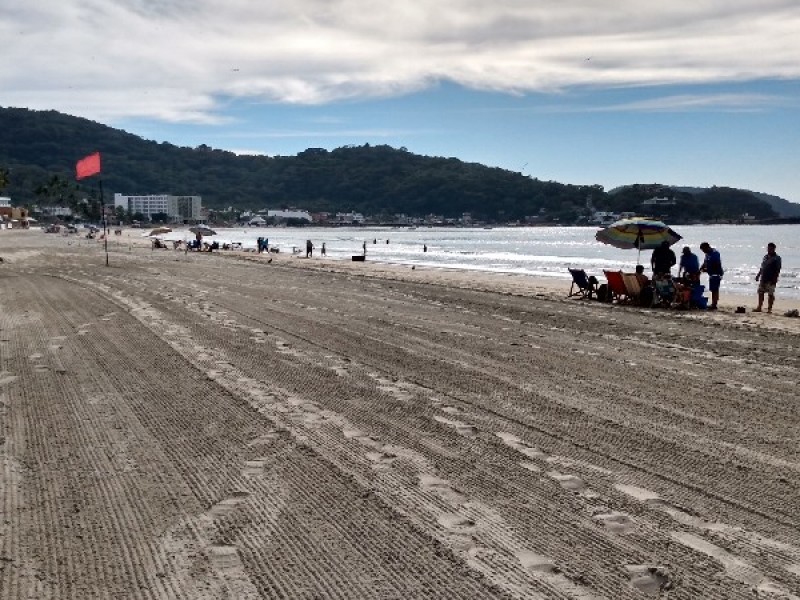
x=632, y=286
x=617, y=286
x=582, y=285
x=666, y=293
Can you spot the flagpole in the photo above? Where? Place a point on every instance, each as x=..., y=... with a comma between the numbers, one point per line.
x=105, y=228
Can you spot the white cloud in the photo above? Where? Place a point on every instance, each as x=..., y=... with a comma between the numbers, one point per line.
x=175, y=59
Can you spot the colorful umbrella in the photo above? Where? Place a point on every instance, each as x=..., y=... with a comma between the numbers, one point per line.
x=637, y=232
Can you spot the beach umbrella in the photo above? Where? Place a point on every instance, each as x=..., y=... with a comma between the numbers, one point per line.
x=637, y=232
x=202, y=230
x=160, y=231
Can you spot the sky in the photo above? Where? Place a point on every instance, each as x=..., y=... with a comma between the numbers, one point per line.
x=609, y=92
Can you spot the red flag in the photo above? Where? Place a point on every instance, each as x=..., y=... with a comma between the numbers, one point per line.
x=88, y=166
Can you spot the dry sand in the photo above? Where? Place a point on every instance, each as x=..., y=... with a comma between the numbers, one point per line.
x=208, y=426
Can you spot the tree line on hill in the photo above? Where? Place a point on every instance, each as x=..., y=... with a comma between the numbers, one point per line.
x=38, y=151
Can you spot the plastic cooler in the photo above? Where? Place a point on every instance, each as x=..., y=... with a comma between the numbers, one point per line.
x=697, y=297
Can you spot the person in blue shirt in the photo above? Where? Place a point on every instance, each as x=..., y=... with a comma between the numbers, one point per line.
x=689, y=266
x=713, y=266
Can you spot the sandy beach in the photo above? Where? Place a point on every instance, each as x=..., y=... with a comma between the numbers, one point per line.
x=209, y=426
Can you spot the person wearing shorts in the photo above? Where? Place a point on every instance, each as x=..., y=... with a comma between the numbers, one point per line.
x=768, y=277
x=713, y=266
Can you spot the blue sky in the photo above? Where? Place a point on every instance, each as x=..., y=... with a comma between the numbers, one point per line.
x=698, y=92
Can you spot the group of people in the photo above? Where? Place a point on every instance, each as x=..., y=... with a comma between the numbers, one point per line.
x=690, y=268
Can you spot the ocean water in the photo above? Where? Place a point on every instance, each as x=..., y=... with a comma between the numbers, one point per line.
x=536, y=251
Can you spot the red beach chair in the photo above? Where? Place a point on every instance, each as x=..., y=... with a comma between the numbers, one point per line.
x=617, y=286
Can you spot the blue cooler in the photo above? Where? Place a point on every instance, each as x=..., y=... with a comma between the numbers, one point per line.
x=697, y=297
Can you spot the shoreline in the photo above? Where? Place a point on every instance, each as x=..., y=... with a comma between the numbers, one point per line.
x=506, y=283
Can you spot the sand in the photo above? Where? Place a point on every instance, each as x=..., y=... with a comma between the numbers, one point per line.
x=216, y=426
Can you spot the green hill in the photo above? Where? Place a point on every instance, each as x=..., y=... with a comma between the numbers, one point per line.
x=38, y=151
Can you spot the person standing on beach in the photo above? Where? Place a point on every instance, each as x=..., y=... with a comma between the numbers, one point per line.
x=713, y=266
x=663, y=259
x=323, y=249
x=689, y=266
x=364, y=246
x=309, y=248
x=768, y=277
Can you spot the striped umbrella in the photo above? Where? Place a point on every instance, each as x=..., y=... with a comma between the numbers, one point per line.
x=637, y=232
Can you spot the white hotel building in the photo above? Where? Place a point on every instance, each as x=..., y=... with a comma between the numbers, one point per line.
x=178, y=208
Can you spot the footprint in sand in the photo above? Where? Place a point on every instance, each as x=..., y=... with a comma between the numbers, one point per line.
x=573, y=483
x=265, y=439
x=227, y=506
x=456, y=522
x=512, y=441
x=536, y=563
x=6, y=378
x=464, y=429
x=649, y=579
x=381, y=458
x=254, y=468
x=224, y=557
x=442, y=488
x=616, y=522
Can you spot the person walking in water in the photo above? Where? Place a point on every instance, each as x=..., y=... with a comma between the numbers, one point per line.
x=309, y=248
x=768, y=277
x=364, y=246
x=713, y=266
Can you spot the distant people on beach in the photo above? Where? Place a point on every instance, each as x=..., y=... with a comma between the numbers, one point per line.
x=322, y=250
x=713, y=266
x=689, y=267
x=309, y=249
x=364, y=246
x=424, y=247
x=663, y=259
x=768, y=278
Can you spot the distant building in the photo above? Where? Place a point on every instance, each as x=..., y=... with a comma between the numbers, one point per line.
x=291, y=213
x=5, y=202
x=603, y=217
x=257, y=221
x=348, y=218
x=658, y=202
x=56, y=211
x=177, y=208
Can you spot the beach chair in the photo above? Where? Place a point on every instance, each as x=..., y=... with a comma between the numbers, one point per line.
x=616, y=286
x=582, y=284
x=666, y=293
x=632, y=286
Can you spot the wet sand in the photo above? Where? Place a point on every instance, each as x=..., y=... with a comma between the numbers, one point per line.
x=215, y=426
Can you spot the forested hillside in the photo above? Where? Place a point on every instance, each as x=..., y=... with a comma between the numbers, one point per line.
x=38, y=151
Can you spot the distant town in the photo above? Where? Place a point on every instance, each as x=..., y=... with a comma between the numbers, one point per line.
x=144, y=210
